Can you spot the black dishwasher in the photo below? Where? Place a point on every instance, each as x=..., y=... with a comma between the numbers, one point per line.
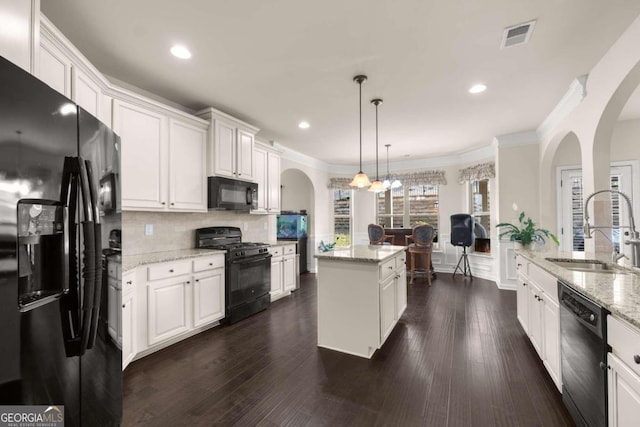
x=584, y=357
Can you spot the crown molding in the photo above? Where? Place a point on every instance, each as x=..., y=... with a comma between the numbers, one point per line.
x=575, y=94
x=516, y=139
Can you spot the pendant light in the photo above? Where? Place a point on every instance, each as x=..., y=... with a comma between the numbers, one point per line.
x=376, y=186
x=387, y=181
x=360, y=180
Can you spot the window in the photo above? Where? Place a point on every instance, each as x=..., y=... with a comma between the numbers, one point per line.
x=480, y=204
x=342, y=217
x=407, y=206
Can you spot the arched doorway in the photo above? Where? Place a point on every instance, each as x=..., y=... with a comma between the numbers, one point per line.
x=297, y=194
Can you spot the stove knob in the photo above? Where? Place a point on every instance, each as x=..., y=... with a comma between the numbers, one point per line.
x=242, y=253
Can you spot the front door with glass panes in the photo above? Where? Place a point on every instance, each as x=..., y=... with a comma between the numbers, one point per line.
x=571, y=209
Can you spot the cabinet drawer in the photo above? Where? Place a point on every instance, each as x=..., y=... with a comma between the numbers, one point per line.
x=522, y=266
x=170, y=269
x=387, y=268
x=547, y=282
x=208, y=263
x=114, y=270
x=275, y=251
x=401, y=260
x=625, y=341
x=289, y=249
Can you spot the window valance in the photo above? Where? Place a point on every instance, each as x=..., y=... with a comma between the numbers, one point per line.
x=480, y=171
x=434, y=177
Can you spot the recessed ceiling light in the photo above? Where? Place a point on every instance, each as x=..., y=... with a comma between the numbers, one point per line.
x=304, y=125
x=180, y=52
x=478, y=88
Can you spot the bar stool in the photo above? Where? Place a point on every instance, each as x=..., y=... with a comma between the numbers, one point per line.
x=422, y=237
x=377, y=236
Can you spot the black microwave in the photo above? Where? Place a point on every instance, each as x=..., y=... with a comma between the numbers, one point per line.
x=231, y=194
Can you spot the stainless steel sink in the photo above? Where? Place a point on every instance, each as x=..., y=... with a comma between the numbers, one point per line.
x=587, y=265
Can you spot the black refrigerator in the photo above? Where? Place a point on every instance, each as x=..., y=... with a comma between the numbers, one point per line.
x=54, y=158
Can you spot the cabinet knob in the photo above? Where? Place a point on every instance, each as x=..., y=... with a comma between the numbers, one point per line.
x=636, y=358
x=390, y=268
x=188, y=282
x=124, y=305
x=518, y=266
x=163, y=203
x=524, y=284
x=172, y=203
x=197, y=280
x=210, y=263
x=171, y=270
x=129, y=282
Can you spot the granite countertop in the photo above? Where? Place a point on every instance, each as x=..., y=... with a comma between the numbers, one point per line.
x=618, y=293
x=361, y=253
x=282, y=243
x=130, y=262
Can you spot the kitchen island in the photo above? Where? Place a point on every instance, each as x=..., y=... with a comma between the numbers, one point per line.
x=362, y=292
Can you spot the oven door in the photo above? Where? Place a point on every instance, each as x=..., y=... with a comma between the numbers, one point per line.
x=247, y=280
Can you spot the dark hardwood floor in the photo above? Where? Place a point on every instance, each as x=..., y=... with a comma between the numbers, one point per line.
x=458, y=357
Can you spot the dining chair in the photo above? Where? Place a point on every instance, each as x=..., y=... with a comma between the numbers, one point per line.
x=421, y=240
x=377, y=235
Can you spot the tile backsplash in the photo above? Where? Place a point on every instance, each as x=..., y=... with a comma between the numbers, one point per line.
x=172, y=231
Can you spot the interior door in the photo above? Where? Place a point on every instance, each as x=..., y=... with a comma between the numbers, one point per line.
x=572, y=209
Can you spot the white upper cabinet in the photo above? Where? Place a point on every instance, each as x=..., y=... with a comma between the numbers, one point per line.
x=230, y=146
x=143, y=135
x=163, y=159
x=266, y=167
x=187, y=178
x=17, y=42
x=244, y=161
x=86, y=92
x=54, y=66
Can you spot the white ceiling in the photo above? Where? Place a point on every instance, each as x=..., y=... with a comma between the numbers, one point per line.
x=274, y=63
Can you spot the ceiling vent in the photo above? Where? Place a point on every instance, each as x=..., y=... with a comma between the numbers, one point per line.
x=517, y=34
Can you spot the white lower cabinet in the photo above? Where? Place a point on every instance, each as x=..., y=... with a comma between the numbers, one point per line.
x=539, y=314
x=624, y=373
x=177, y=299
x=128, y=315
x=624, y=394
x=388, y=307
x=401, y=288
x=283, y=270
x=168, y=308
x=208, y=297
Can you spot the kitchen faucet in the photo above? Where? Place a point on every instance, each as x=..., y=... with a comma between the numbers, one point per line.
x=615, y=255
x=634, y=239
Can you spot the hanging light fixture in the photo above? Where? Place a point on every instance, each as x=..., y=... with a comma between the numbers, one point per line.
x=376, y=186
x=360, y=180
x=387, y=183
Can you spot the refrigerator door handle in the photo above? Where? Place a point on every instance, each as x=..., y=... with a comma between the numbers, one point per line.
x=89, y=270
x=69, y=308
x=97, y=284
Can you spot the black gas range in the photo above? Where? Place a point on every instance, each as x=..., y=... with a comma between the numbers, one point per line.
x=247, y=270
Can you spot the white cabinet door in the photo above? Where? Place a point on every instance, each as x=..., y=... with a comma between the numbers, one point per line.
x=113, y=311
x=401, y=291
x=289, y=272
x=244, y=167
x=143, y=136
x=54, y=67
x=522, y=304
x=187, y=176
x=208, y=297
x=128, y=328
x=624, y=394
x=86, y=93
x=273, y=182
x=224, y=149
x=535, y=318
x=167, y=308
x=260, y=177
x=551, y=346
x=388, y=307
x=277, y=288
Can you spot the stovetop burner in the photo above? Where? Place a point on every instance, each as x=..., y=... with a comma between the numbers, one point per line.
x=228, y=239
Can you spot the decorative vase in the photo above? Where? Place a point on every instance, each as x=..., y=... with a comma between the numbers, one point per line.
x=518, y=245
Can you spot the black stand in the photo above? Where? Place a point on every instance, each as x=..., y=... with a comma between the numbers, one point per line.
x=464, y=259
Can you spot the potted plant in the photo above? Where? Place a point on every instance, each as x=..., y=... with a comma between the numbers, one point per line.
x=526, y=232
